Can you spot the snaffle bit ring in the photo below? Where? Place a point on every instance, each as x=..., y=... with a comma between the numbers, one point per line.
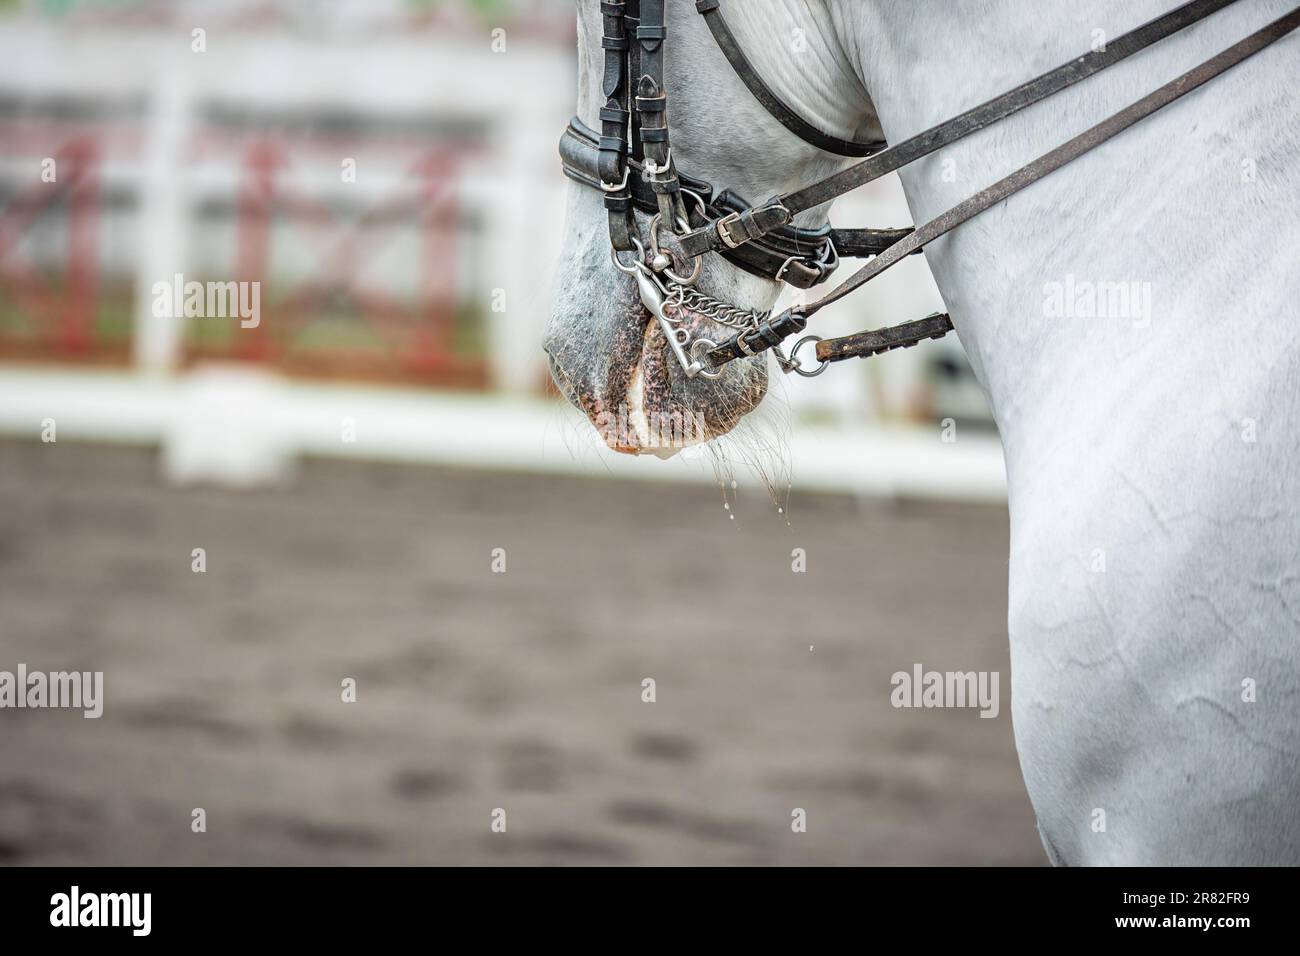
x=700, y=363
x=657, y=256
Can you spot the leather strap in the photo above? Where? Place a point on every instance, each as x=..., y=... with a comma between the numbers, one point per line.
x=749, y=343
x=632, y=72
x=612, y=172
x=864, y=243
x=802, y=257
x=864, y=344
x=634, y=129
x=782, y=209
x=652, y=111
x=787, y=117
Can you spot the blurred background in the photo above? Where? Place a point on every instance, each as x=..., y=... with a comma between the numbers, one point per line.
x=386, y=170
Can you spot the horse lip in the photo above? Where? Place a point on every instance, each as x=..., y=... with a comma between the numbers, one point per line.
x=633, y=394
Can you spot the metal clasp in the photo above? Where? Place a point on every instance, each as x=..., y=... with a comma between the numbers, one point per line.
x=790, y=363
x=607, y=188
x=653, y=169
x=723, y=226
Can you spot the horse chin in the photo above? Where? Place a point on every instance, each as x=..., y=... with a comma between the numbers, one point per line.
x=641, y=402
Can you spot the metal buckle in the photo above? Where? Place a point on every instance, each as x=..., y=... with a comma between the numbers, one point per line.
x=830, y=260
x=607, y=188
x=653, y=169
x=723, y=226
x=740, y=344
x=825, y=264
x=780, y=273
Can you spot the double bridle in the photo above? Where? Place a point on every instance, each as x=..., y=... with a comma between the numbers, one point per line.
x=631, y=162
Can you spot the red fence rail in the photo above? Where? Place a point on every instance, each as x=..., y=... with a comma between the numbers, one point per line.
x=429, y=337
x=59, y=311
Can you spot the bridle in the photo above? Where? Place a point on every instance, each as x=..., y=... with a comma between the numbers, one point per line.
x=631, y=162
